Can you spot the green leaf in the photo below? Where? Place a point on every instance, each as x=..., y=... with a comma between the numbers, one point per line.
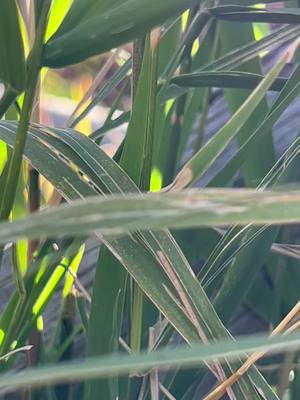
x=111, y=124
x=118, y=215
x=204, y=158
x=252, y=14
x=248, y=261
x=238, y=56
x=123, y=364
x=82, y=10
x=290, y=91
x=107, y=88
x=89, y=169
x=256, y=166
x=225, y=79
x=12, y=61
x=136, y=157
x=103, y=31
x=136, y=160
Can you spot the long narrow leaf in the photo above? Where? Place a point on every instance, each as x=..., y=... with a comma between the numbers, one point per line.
x=194, y=169
x=123, y=364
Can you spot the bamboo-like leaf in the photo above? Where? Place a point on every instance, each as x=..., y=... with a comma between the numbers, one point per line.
x=107, y=88
x=256, y=167
x=238, y=56
x=194, y=169
x=252, y=14
x=136, y=160
x=290, y=91
x=103, y=31
x=224, y=79
x=114, y=123
x=118, y=215
x=82, y=10
x=91, y=170
x=123, y=364
x=12, y=61
x=248, y=261
x=136, y=157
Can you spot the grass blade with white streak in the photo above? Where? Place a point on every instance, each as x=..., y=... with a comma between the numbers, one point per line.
x=118, y=215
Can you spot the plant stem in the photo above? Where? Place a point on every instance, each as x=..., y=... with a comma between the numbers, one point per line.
x=137, y=60
x=10, y=187
x=6, y=101
x=137, y=294
x=203, y=119
x=145, y=173
x=34, y=65
x=172, y=155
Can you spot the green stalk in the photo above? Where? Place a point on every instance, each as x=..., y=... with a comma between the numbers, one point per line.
x=34, y=66
x=6, y=101
x=145, y=174
x=174, y=145
x=137, y=294
x=15, y=163
x=206, y=96
x=137, y=60
x=137, y=318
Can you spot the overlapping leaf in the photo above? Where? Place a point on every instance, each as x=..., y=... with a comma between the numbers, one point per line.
x=118, y=215
x=96, y=172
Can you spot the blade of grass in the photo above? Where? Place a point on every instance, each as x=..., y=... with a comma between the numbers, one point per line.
x=252, y=14
x=107, y=88
x=16, y=159
x=12, y=61
x=151, y=278
x=123, y=364
x=106, y=30
x=139, y=140
x=256, y=167
x=284, y=99
x=118, y=215
x=194, y=169
x=225, y=79
x=238, y=56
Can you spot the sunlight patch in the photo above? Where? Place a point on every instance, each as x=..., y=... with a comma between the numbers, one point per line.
x=2, y=336
x=156, y=180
